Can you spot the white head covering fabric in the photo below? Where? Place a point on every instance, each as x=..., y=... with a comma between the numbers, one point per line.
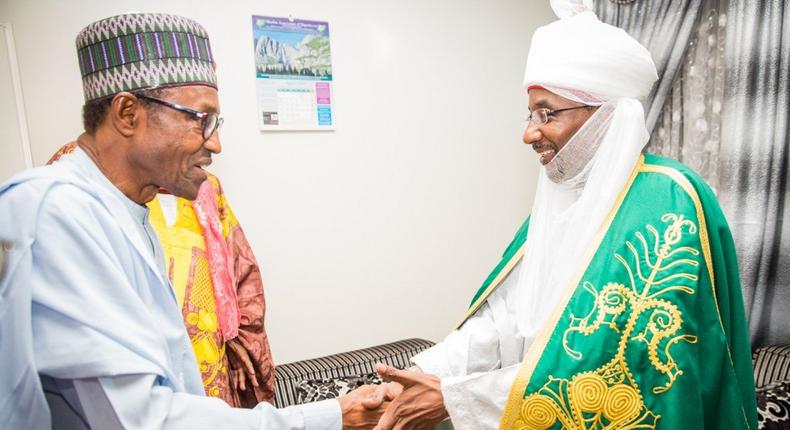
x=582, y=59
x=584, y=54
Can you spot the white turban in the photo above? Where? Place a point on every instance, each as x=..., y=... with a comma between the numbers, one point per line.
x=584, y=54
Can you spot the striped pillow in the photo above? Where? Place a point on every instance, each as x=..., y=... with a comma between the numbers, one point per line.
x=771, y=364
x=289, y=377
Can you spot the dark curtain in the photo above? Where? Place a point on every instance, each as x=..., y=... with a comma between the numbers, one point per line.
x=754, y=160
x=722, y=108
x=650, y=22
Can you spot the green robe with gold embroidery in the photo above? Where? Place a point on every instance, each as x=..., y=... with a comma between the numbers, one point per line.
x=651, y=333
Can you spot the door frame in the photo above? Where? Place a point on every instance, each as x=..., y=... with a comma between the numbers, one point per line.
x=24, y=136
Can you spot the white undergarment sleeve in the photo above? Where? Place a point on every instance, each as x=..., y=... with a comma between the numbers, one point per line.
x=477, y=363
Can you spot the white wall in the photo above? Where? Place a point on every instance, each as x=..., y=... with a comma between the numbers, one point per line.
x=380, y=230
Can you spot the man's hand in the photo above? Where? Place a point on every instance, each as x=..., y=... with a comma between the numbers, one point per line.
x=363, y=407
x=382, y=393
x=241, y=367
x=419, y=406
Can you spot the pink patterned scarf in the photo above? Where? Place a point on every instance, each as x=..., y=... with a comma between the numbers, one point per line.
x=220, y=260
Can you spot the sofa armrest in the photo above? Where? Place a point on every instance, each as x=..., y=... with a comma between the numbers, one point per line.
x=771, y=364
x=351, y=368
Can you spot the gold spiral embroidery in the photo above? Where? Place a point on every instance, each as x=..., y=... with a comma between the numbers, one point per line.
x=588, y=392
x=639, y=311
x=537, y=412
x=622, y=403
x=613, y=299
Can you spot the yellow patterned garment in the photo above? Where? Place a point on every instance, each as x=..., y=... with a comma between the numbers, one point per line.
x=188, y=270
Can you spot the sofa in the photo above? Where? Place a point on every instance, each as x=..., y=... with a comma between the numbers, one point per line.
x=334, y=375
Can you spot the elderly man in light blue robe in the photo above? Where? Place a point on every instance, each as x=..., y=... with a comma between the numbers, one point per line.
x=91, y=333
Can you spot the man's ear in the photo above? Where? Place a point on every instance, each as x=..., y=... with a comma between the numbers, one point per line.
x=126, y=113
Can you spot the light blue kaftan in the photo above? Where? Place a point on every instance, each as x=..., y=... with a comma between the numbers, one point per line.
x=91, y=334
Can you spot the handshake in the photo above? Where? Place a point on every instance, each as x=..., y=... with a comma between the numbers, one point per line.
x=409, y=400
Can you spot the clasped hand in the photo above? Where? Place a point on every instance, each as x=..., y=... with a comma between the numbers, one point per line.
x=410, y=400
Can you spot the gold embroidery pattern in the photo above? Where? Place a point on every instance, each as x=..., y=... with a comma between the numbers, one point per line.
x=609, y=397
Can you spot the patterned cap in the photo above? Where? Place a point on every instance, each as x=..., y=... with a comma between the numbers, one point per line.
x=143, y=50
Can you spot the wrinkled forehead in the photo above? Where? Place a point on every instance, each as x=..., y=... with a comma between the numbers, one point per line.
x=203, y=98
x=540, y=97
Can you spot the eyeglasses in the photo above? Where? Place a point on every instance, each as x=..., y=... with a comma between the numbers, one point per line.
x=541, y=116
x=210, y=121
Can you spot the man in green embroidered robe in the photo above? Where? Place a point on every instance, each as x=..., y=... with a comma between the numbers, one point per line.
x=618, y=303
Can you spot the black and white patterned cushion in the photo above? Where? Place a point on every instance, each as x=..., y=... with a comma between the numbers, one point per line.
x=773, y=406
x=314, y=390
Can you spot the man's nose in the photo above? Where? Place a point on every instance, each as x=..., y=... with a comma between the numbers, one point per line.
x=532, y=134
x=213, y=144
